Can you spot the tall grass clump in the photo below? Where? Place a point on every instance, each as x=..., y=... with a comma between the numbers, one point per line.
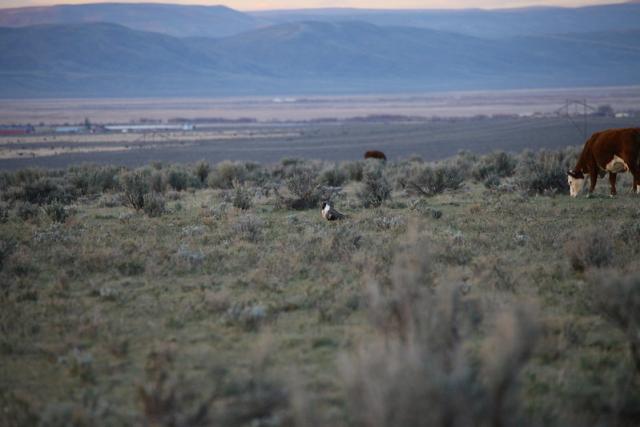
x=375, y=187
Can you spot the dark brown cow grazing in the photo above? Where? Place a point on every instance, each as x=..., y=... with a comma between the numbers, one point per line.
x=375, y=154
x=613, y=151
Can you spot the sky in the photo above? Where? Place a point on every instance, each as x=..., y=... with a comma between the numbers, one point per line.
x=300, y=4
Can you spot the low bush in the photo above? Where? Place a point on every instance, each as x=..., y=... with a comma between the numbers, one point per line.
x=429, y=364
x=353, y=170
x=26, y=210
x=7, y=247
x=303, y=184
x=242, y=198
x=375, y=187
x=4, y=213
x=135, y=185
x=494, y=165
x=93, y=179
x=225, y=174
x=428, y=180
x=41, y=191
x=333, y=176
x=179, y=179
x=590, y=247
x=248, y=227
x=616, y=297
x=157, y=181
x=201, y=170
x=545, y=171
x=56, y=212
x=154, y=204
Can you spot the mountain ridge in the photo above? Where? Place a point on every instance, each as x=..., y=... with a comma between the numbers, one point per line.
x=102, y=59
x=221, y=21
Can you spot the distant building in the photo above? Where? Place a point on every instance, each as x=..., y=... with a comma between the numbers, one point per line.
x=16, y=130
x=149, y=128
x=69, y=129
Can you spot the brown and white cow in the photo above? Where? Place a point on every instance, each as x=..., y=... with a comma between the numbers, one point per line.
x=613, y=151
x=375, y=154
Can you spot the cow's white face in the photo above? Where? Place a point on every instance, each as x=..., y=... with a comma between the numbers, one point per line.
x=575, y=185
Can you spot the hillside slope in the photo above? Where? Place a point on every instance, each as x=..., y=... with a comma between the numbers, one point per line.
x=110, y=60
x=176, y=20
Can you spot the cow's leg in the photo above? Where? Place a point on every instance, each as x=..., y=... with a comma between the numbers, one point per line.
x=612, y=181
x=593, y=181
x=635, y=171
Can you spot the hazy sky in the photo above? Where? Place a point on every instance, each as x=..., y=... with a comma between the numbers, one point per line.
x=299, y=4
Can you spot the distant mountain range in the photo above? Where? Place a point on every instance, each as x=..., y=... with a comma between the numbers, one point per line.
x=175, y=20
x=221, y=21
x=481, y=23
x=315, y=56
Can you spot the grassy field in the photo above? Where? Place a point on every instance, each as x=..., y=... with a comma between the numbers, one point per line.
x=486, y=297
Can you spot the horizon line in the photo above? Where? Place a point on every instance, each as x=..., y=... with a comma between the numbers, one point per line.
x=324, y=8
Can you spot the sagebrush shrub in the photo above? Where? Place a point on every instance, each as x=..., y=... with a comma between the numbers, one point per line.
x=26, y=210
x=544, y=171
x=56, y=212
x=494, y=165
x=248, y=227
x=420, y=369
x=303, y=184
x=93, y=179
x=353, y=170
x=333, y=177
x=428, y=180
x=375, y=187
x=42, y=191
x=157, y=181
x=135, y=185
x=617, y=297
x=201, y=170
x=225, y=174
x=4, y=213
x=178, y=179
x=242, y=198
x=154, y=204
x=7, y=247
x=590, y=247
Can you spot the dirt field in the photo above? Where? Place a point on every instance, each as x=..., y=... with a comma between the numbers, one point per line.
x=447, y=104
x=270, y=143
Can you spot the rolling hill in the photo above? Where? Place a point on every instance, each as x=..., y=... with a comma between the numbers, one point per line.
x=100, y=59
x=496, y=23
x=176, y=20
x=220, y=21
